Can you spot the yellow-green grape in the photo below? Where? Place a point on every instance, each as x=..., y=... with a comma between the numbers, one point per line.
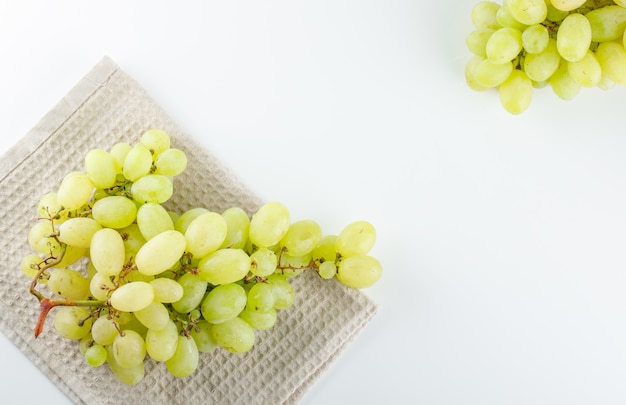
x=528, y=12
x=261, y=297
x=612, y=58
x=72, y=322
x=152, y=188
x=535, y=38
x=205, y=234
x=356, y=238
x=563, y=85
x=49, y=207
x=476, y=41
x=134, y=325
x=269, y=224
x=573, y=37
x=283, y=291
x=126, y=375
x=85, y=343
x=185, y=359
x=129, y=349
x=222, y=303
x=224, y=266
x=114, y=212
x=166, y=290
x=489, y=74
x=470, y=73
x=133, y=240
x=137, y=163
x=541, y=66
x=201, y=333
x=359, y=271
x=78, y=231
x=153, y=219
x=291, y=266
x=484, y=14
x=132, y=297
x=504, y=45
x=100, y=168
x=587, y=71
x=104, y=330
x=516, y=92
x=301, y=237
x=156, y=140
x=234, y=335
x=259, y=320
x=69, y=284
x=107, y=252
x=193, y=292
x=155, y=316
x=30, y=265
x=75, y=190
x=505, y=18
x=607, y=23
x=327, y=270
x=118, y=152
x=100, y=286
x=160, y=253
x=326, y=250
x=171, y=162
x=567, y=5
x=263, y=262
x=72, y=255
x=39, y=237
x=96, y=355
x=187, y=217
x=161, y=344
x=554, y=14
x=238, y=226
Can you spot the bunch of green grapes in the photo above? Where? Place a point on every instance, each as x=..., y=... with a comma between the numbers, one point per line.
x=131, y=280
x=567, y=44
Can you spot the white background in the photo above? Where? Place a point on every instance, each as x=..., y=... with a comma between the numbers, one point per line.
x=502, y=237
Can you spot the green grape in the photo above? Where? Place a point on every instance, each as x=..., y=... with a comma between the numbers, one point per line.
x=49, y=206
x=541, y=66
x=612, y=58
x=30, y=265
x=563, y=85
x=516, y=92
x=261, y=297
x=171, y=162
x=605, y=83
x=237, y=226
x=476, y=41
x=607, y=23
x=72, y=255
x=129, y=349
x=133, y=240
x=85, y=343
x=114, y=212
x=136, y=326
x=156, y=140
x=535, y=38
x=484, y=15
x=505, y=18
x=528, y=12
x=39, y=237
x=155, y=316
x=356, y=238
x=100, y=286
x=75, y=190
x=72, y=322
x=587, y=72
x=301, y=237
x=327, y=270
x=100, y=168
x=205, y=234
x=166, y=290
x=224, y=266
x=504, y=45
x=118, y=152
x=96, y=355
x=567, y=5
x=152, y=188
x=193, y=292
x=269, y=224
x=185, y=359
x=104, y=330
x=291, y=266
x=132, y=297
x=359, y=271
x=573, y=37
x=554, y=14
x=107, y=252
x=153, y=219
x=160, y=253
x=284, y=293
x=69, y=284
x=259, y=320
x=201, y=333
x=78, y=231
x=234, y=335
x=161, y=344
x=470, y=69
x=263, y=262
x=489, y=74
x=224, y=302
x=187, y=217
x=126, y=375
x=325, y=250
x=620, y=2
x=137, y=163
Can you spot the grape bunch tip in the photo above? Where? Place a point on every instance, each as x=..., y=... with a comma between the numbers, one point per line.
x=130, y=280
x=518, y=46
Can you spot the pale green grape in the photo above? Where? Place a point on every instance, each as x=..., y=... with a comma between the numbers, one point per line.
x=573, y=37
x=30, y=265
x=193, y=292
x=554, y=14
x=605, y=83
x=201, y=333
x=476, y=41
x=620, y=2
x=541, y=66
x=160, y=253
x=489, y=74
x=516, y=92
x=118, y=152
x=327, y=270
x=185, y=359
x=259, y=320
x=291, y=266
x=75, y=190
x=234, y=335
x=85, y=343
x=129, y=349
x=484, y=14
x=78, y=231
x=567, y=5
x=69, y=284
x=205, y=234
x=470, y=73
x=100, y=168
x=505, y=18
x=49, y=207
x=607, y=23
x=187, y=217
x=166, y=290
x=224, y=302
x=133, y=240
x=263, y=262
x=155, y=316
x=152, y=188
x=156, y=140
x=269, y=224
x=224, y=266
x=238, y=226
x=359, y=271
x=153, y=219
x=96, y=355
x=161, y=344
x=114, y=212
x=261, y=297
x=504, y=45
x=134, y=325
x=326, y=250
x=132, y=297
x=563, y=85
x=72, y=255
x=72, y=322
x=126, y=375
x=535, y=38
x=528, y=12
x=356, y=238
x=104, y=330
x=137, y=163
x=284, y=293
x=612, y=58
x=301, y=237
x=100, y=286
x=107, y=252
x=171, y=162
x=39, y=237
x=587, y=72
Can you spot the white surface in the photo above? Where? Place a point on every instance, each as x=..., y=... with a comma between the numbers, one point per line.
x=502, y=237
